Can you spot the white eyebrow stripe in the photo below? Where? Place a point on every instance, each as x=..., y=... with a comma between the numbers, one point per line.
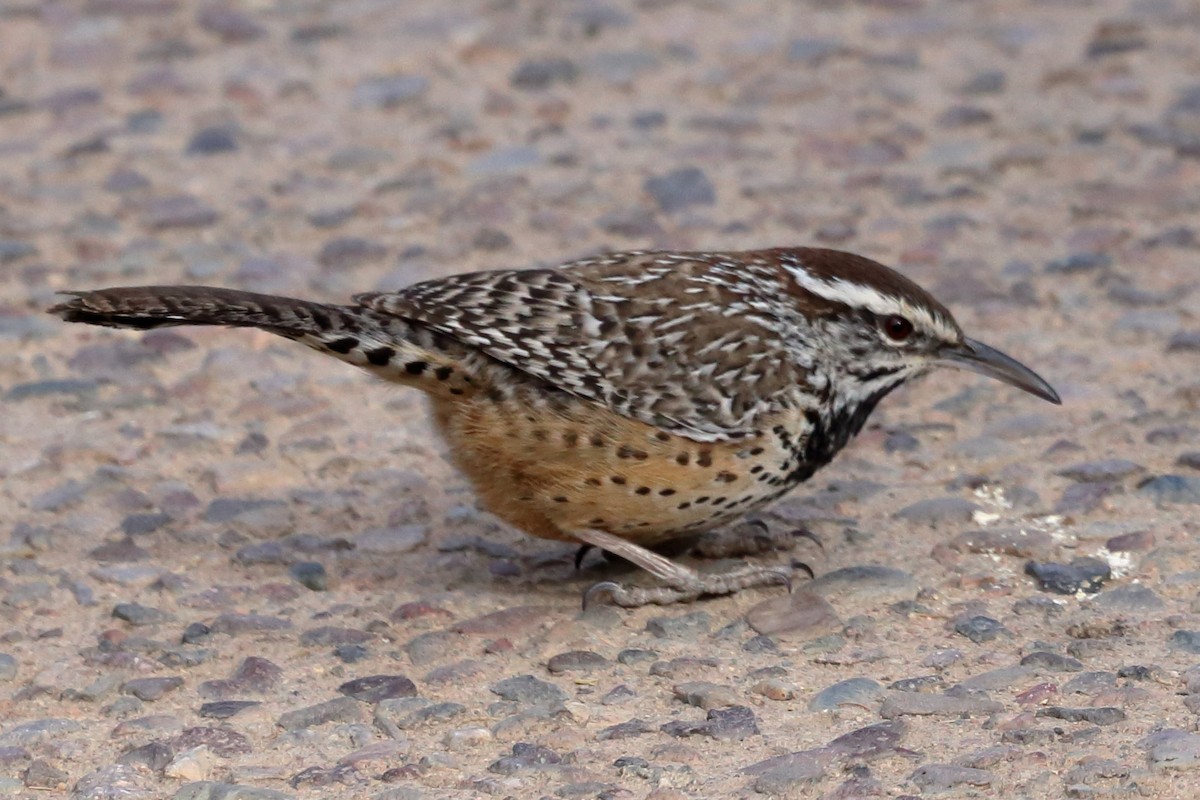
x=838, y=290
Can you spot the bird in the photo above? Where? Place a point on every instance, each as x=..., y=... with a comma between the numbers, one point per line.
x=627, y=400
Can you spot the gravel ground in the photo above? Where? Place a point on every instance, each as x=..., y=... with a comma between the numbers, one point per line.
x=231, y=569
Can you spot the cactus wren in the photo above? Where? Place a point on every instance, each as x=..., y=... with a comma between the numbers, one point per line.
x=629, y=399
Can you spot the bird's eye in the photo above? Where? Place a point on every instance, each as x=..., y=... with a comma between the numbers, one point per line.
x=897, y=328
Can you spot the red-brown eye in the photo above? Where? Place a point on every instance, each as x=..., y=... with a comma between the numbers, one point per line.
x=897, y=328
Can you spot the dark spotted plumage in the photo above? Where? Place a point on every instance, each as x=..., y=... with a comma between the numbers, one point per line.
x=629, y=398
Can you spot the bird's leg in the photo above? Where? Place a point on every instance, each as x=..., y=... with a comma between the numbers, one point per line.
x=682, y=583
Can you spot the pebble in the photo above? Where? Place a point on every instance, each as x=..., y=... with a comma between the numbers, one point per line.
x=529, y=691
x=223, y=742
x=1005, y=541
x=212, y=141
x=790, y=775
x=216, y=790
x=980, y=629
x=1173, y=749
x=906, y=704
x=1081, y=575
x=706, y=695
x=626, y=730
x=340, y=709
x=151, y=689
x=8, y=667
x=799, y=616
x=1110, y=469
x=733, y=723
x=177, y=211
x=29, y=734
x=538, y=74
x=576, y=661
x=1090, y=683
x=137, y=614
x=115, y=782
x=1052, y=662
x=1185, y=641
x=376, y=688
x=41, y=775
x=935, y=511
x=1172, y=489
x=254, y=675
x=349, y=252
x=681, y=188
x=865, y=584
x=226, y=709
x=863, y=692
x=1095, y=716
x=686, y=626
x=388, y=91
x=234, y=624
x=515, y=621
x=310, y=575
x=996, y=679
x=944, y=777
x=327, y=635
x=1132, y=598
x=525, y=756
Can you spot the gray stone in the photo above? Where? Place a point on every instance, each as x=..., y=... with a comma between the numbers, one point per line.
x=980, y=628
x=867, y=582
x=576, y=661
x=1172, y=489
x=935, y=511
x=686, y=626
x=534, y=74
x=913, y=704
x=528, y=690
x=388, y=91
x=943, y=777
x=680, y=189
x=375, y=688
x=1134, y=597
x=1109, y=469
x=1173, y=749
x=863, y=692
x=340, y=709
x=211, y=141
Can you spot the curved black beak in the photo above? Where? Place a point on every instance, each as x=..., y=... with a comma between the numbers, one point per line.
x=978, y=357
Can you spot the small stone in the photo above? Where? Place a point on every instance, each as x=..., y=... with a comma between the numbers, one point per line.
x=1129, y=599
x=1135, y=542
x=1052, y=662
x=8, y=667
x=921, y=683
x=341, y=709
x=525, y=756
x=35, y=732
x=211, y=141
x=151, y=689
x=813, y=51
x=466, y=738
x=626, y=730
x=1110, y=469
x=1172, y=489
x=41, y=775
x=576, y=661
x=229, y=24
x=1005, y=541
x=943, y=777
x=1186, y=641
x=136, y=614
x=310, y=575
x=1184, y=342
x=867, y=583
x=177, y=211
x=534, y=74
x=528, y=690
x=680, y=189
x=732, y=724
x=506, y=622
x=141, y=524
x=790, y=775
x=376, y=688
x=980, y=629
x=226, y=709
x=1079, y=262
x=349, y=252
x=327, y=635
x=799, y=616
x=234, y=624
x=12, y=250
x=935, y=511
x=1081, y=575
x=1090, y=683
x=687, y=626
x=870, y=742
x=1116, y=36
x=1095, y=716
x=221, y=741
x=996, y=679
x=863, y=692
x=706, y=695
x=272, y=552
x=153, y=756
x=388, y=91
x=1173, y=749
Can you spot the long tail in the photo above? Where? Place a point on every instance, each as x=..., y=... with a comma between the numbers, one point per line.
x=390, y=347
x=146, y=307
